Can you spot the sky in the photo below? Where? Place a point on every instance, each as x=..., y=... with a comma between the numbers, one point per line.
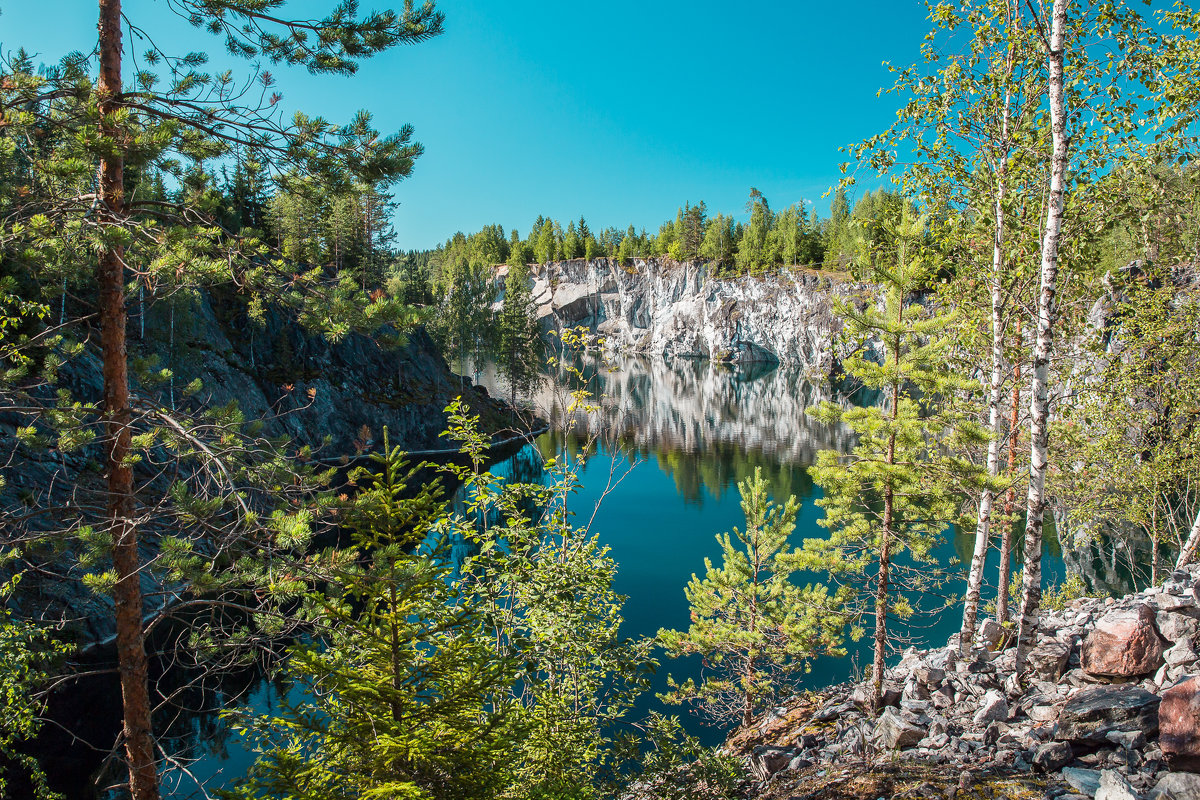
x=618, y=111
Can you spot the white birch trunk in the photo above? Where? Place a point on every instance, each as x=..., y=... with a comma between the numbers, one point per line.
x=1189, y=547
x=995, y=396
x=1039, y=401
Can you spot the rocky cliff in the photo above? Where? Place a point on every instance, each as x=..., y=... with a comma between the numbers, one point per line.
x=336, y=397
x=663, y=308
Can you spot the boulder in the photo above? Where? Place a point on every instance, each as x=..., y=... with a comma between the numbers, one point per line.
x=1089, y=715
x=1177, y=627
x=1049, y=660
x=931, y=677
x=1181, y=654
x=1176, y=786
x=991, y=635
x=1124, y=644
x=993, y=707
x=1179, y=725
x=1085, y=781
x=766, y=760
x=895, y=733
x=1114, y=786
x=1052, y=756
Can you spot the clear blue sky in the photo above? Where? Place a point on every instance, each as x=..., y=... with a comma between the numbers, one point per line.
x=619, y=111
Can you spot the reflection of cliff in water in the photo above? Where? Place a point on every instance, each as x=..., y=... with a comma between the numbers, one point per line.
x=707, y=424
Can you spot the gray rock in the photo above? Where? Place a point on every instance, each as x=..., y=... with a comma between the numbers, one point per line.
x=1049, y=660
x=766, y=760
x=1130, y=740
x=1181, y=654
x=1052, y=756
x=929, y=676
x=943, y=697
x=1086, y=781
x=1114, y=786
x=993, y=707
x=1175, y=602
x=991, y=634
x=832, y=712
x=1177, y=627
x=1042, y=713
x=1176, y=786
x=896, y=733
x=1089, y=715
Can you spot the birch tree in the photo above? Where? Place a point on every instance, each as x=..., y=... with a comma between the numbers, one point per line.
x=1039, y=402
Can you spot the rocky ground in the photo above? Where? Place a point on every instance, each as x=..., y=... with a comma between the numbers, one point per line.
x=1110, y=710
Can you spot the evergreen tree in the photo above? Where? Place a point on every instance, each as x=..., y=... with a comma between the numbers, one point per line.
x=184, y=117
x=892, y=494
x=397, y=694
x=838, y=237
x=519, y=354
x=755, y=628
x=753, y=253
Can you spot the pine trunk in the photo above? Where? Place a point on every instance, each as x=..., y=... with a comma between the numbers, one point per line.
x=1039, y=402
x=995, y=395
x=110, y=280
x=885, y=549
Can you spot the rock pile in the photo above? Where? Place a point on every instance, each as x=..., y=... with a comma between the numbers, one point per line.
x=1110, y=709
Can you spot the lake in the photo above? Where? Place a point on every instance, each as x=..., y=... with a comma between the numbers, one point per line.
x=681, y=435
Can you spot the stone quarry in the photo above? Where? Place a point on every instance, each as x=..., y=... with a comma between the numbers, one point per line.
x=659, y=307
x=1110, y=708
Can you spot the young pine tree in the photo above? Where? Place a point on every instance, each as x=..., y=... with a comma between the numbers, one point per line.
x=892, y=494
x=520, y=351
x=399, y=694
x=753, y=626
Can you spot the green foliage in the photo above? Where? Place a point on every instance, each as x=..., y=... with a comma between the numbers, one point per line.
x=1058, y=597
x=754, y=627
x=657, y=759
x=544, y=588
x=519, y=353
x=893, y=493
x=498, y=676
x=1130, y=438
x=27, y=656
x=397, y=695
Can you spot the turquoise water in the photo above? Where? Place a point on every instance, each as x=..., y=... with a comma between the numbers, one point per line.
x=681, y=435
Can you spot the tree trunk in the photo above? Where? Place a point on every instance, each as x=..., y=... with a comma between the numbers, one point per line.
x=987, y=496
x=885, y=549
x=1039, y=401
x=1189, y=547
x=1010, y=500
x=110, y=280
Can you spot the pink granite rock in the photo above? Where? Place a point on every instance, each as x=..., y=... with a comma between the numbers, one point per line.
x=1124, y=644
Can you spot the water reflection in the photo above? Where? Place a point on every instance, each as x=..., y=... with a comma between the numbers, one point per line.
x=707, y=425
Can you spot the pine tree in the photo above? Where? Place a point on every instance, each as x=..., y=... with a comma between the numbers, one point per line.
x=396, y=696
x=184, y=118
x=892, y=493
x=754, y=627
x=519, y=354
